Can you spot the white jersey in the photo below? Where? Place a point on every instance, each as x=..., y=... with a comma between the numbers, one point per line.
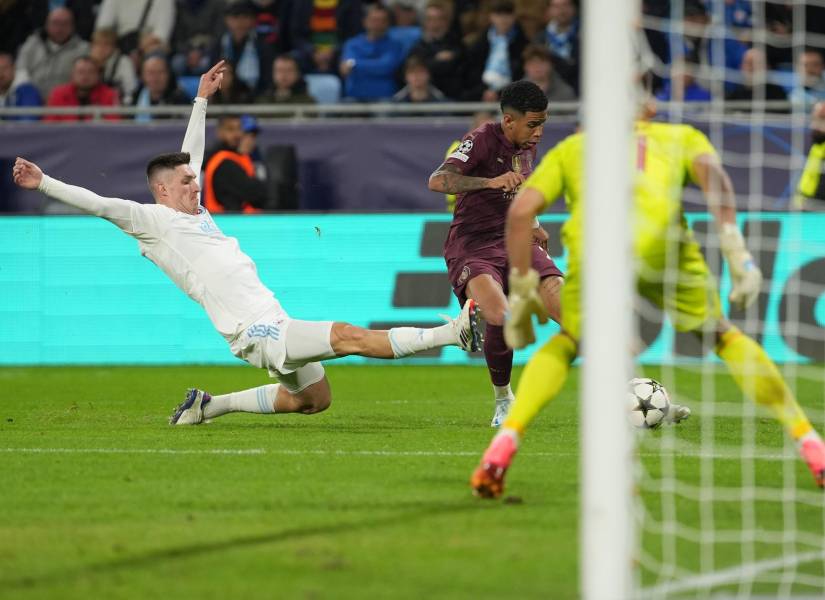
x=193, y=252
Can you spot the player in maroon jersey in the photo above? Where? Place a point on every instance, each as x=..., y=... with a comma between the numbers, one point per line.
x=485, y=172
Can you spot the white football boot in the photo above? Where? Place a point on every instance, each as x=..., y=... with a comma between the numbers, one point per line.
x=502, y=408
x=677, y=413
x=465, y=326
x=190, y=411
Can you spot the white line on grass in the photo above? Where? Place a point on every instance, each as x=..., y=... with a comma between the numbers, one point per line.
x=728, y=455
x=733, y=575
x=133, y=451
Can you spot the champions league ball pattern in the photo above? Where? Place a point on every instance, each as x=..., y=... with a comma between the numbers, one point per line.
x=648, y=402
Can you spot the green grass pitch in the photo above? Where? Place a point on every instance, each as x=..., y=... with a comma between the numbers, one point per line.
x=101, y=498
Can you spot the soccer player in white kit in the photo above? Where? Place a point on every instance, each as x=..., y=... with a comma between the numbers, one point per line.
x=180, y=237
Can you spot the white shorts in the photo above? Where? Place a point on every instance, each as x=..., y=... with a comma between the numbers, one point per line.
x=288, y=348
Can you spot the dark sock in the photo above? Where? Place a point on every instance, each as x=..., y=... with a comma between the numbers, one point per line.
x=499, y=357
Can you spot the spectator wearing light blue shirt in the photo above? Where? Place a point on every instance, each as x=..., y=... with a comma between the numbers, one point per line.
x=811, y=86
x=698, y=43
x=369, y=61
x=561, y=36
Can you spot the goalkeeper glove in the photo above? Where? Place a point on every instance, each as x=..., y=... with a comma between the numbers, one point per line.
x=745, y=275
x=524, y=302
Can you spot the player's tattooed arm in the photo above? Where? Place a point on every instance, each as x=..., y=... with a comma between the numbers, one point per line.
x=448, y=179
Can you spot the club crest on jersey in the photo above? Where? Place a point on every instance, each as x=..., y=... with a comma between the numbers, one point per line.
x=517, y=163
x=207, y=225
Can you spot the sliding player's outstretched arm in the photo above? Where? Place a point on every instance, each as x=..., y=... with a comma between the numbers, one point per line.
x=717, y=188
x=195, y=138
x=29, y=176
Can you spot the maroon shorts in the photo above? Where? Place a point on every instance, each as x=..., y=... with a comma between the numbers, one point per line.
x=461, y=270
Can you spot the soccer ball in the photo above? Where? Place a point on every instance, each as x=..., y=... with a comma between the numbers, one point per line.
x=648, y=403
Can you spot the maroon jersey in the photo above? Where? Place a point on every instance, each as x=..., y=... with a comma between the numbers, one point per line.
x=480, y=215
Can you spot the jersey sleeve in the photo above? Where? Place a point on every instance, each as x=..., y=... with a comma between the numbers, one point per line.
x=133, y=218
x=548, y=178
x=695, y=144
x=469, y=154
x=195, y=137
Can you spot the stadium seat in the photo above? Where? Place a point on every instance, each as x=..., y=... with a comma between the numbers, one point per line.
x=189, y=84
x=326, y=89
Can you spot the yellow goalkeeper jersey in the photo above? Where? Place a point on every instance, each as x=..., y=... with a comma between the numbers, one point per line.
x=663, y=163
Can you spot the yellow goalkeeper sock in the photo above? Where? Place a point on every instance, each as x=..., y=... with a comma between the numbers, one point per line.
x=542, y=379
x=760, y=380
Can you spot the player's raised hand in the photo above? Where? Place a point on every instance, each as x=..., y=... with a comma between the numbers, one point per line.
x=26, y=174
x=524, y=302
x=211, y=80
x=509, y=181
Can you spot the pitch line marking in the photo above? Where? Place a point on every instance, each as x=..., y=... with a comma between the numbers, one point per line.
x=388, y=453
x=230, y=451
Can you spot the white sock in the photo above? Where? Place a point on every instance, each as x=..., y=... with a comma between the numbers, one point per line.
x=511, y=433
x=256, y=400
x=409, y=340
x=503, y=392
x=811, y=435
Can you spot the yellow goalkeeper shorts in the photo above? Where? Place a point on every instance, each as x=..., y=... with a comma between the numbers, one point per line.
x=683, y=287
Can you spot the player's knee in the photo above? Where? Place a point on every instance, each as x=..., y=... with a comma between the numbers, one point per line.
x=494, y=315
x=315, y=406
x=314, y=399
x=347, y=339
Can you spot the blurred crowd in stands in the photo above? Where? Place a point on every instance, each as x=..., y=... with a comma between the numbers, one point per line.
x=151, y=52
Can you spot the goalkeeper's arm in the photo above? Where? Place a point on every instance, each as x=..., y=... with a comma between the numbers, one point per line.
x=718, y=191
x=524, y=300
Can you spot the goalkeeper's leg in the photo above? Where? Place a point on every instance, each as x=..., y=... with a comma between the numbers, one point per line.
x=761, y=381
x=541, y=381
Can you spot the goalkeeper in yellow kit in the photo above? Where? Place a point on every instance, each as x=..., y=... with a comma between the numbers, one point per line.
x=667, y=157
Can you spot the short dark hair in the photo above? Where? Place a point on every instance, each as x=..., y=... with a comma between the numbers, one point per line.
x=84, y=58
x=813, y=50
x=166, y=161
x=506, y=7
x=226, y=117
x=694, y=8
x=523, y=96
x=539, y=51
x=415, y=61
x=380, y=8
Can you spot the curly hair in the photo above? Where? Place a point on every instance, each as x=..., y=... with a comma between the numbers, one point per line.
x=523, y=96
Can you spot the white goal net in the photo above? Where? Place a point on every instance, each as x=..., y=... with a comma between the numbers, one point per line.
x=724, y=505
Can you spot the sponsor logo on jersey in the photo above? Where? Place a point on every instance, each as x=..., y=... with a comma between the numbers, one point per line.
x=465, y=275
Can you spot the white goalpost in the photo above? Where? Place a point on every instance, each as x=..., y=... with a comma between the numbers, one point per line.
x=606, y=483
x=720, y=506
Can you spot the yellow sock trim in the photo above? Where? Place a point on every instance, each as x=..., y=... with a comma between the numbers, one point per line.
x=542, y=379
